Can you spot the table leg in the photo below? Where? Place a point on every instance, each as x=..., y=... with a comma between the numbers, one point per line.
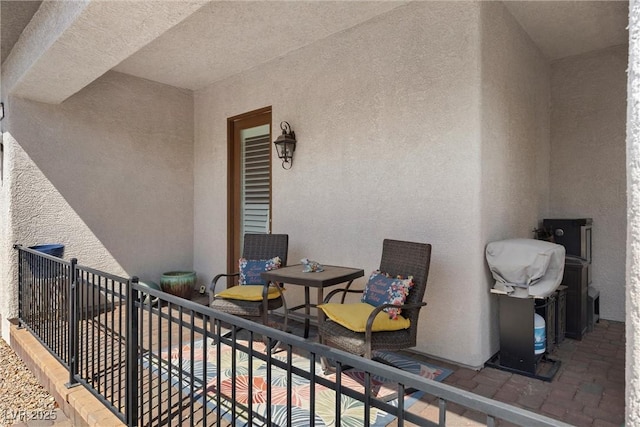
x=320, y=301
x=307, y=311
x=324, y=362
x=320, y=313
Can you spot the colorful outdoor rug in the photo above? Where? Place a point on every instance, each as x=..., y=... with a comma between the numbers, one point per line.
x=352, y=410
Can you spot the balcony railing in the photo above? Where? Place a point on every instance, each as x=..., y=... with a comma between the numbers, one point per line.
x=155, y=359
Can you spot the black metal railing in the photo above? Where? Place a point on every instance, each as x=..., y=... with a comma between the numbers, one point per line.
x=98, y=335
x=157, y=359
x=74, y=312
x=43, y=299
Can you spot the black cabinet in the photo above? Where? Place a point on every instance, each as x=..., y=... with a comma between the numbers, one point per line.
x=575, y=235
x=576, y=280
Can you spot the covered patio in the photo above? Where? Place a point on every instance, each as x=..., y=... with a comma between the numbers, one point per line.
x=452, y=123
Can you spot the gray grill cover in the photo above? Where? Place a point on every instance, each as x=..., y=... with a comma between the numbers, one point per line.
x=526, y=267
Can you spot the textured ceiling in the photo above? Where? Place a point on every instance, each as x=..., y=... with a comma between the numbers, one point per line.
x=14, y=16
x=227, y=37
x=565, y=28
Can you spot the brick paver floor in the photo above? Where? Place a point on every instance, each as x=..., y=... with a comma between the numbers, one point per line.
x=588, y=389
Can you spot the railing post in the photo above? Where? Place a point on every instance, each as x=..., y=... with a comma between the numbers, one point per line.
x=74, y=318
x=442, y=406
x=131, y=390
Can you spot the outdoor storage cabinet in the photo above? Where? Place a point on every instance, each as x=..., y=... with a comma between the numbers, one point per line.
x=575, y=234
x=575, y=279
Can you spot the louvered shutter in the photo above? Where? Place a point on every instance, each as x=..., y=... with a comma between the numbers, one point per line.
x=256, y=184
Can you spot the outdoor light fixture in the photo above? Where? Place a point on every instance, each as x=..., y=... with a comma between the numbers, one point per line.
x=1, y=110
x=286, y=145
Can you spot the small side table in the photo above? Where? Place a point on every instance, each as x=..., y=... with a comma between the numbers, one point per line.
x=294, y=275
x=199, y=298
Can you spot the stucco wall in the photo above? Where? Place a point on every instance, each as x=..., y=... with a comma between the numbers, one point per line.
x=108, y=173
x=588, y=115
x=632, y=289
x=515, y=136
x=6, y=234
x=387, y=120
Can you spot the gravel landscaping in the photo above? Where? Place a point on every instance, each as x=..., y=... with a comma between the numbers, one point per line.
x=19, y=389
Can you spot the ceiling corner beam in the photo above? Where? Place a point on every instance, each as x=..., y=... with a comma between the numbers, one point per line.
x=67, y=45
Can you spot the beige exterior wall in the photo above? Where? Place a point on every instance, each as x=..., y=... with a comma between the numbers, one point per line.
x=468, y=107
x=388, y=146
x=588, y=116
x=107, y=173
x=632, y=288
x=515, y=138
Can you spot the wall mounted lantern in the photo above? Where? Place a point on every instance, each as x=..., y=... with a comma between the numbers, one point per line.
x=1, y=110
x=286, y=145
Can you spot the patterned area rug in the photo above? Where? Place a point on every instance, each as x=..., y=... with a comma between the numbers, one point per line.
x=352, y=410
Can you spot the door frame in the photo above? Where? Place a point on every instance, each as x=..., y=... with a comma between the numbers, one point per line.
x=234, y=125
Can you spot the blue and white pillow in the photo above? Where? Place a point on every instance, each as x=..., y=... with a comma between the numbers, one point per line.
x=383, y=289
x=250, y=269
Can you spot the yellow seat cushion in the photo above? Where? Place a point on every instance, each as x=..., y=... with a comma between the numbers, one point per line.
x=354, y=317
x=248, y=293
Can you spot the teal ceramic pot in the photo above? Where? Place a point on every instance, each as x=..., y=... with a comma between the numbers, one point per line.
x=178, y=283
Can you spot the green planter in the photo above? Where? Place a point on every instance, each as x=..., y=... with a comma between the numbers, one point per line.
x=178, y=283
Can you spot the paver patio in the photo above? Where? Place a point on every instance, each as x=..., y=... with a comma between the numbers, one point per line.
x=588, y=390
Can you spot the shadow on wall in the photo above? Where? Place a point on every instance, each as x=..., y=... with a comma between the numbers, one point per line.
x=120, y=153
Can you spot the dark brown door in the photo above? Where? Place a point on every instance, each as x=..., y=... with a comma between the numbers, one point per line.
x=249, y=191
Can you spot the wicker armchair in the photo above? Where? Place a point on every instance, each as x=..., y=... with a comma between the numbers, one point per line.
x=256, y=246
x=398, y=258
